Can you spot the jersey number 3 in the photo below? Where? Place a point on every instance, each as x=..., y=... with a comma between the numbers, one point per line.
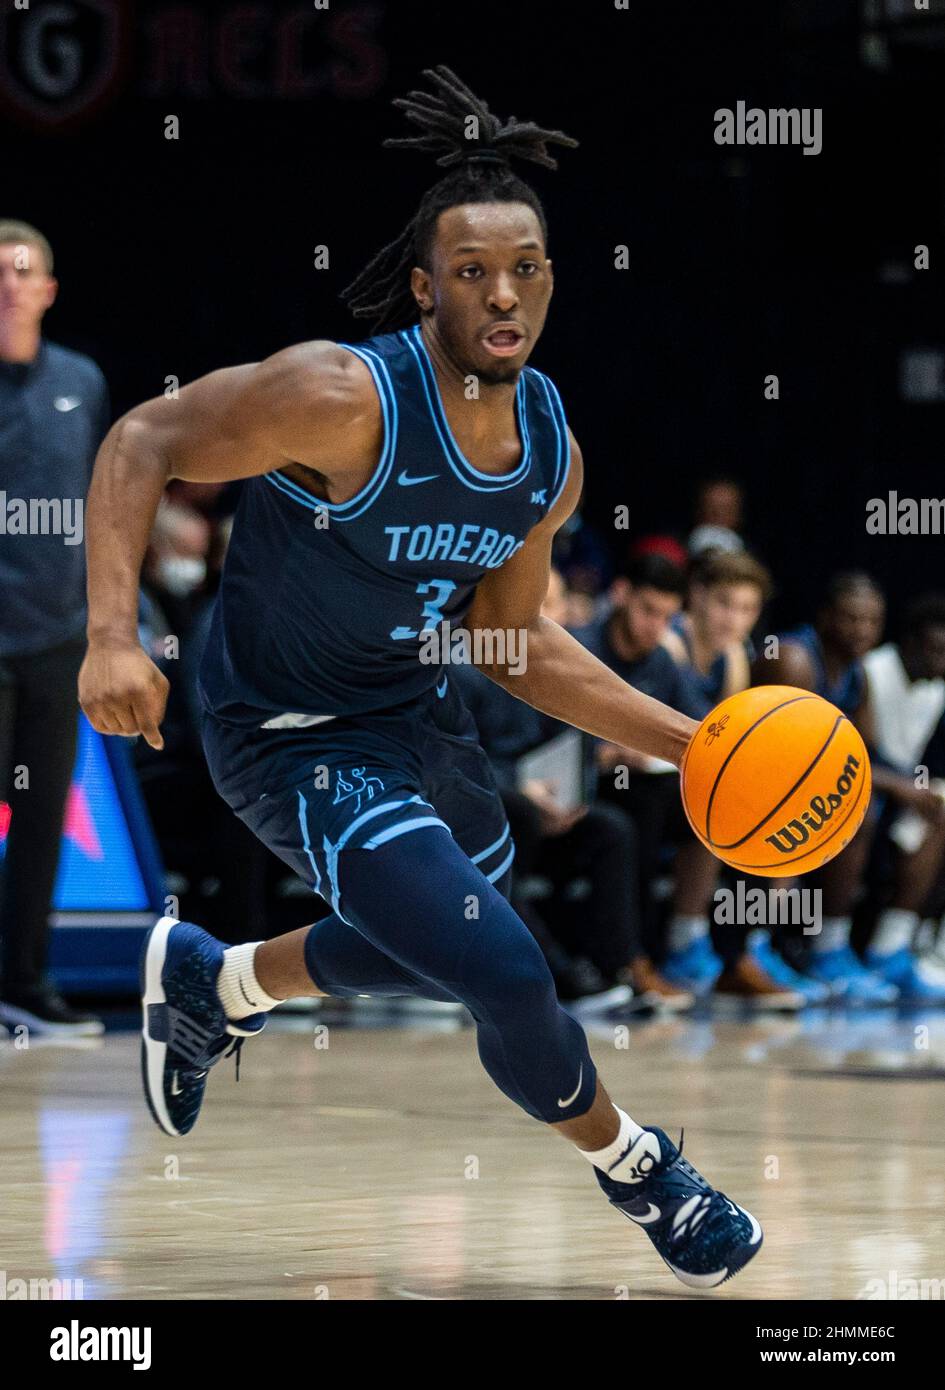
x=432, y=610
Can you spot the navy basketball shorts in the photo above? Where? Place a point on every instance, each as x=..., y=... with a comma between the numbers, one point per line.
x=358, y=782
x=409, y=790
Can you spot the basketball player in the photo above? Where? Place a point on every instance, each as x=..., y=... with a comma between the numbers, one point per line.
x=398, y=487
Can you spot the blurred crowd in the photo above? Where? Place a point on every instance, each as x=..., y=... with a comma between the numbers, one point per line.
x=610, y=879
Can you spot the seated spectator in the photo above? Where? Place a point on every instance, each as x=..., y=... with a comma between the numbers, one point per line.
x=710, y=639
x=827, y=657
x=906, y=684
x=630, y=641
x=599, y=961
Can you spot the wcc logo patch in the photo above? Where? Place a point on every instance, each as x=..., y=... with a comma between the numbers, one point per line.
x=60, y=59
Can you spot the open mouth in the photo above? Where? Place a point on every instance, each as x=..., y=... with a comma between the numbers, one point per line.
x=504, y=340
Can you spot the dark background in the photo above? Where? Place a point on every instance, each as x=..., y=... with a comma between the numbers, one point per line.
x=176, y=257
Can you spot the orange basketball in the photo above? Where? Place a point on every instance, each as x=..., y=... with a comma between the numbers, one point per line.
x=776, y=781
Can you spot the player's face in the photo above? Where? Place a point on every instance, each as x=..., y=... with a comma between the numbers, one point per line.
x=725, y=613
x=647, y=613
x=855, y=623
x=488, y=287
x=26, y=287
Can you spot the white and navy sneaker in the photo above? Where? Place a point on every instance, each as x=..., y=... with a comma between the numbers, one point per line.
x=184, y=1030
x=700, y=1234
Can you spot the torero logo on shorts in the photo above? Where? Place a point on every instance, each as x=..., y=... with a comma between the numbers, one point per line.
x=358, y=786
x=797, y=832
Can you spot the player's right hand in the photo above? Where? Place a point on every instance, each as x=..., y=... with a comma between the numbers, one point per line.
x=121, y=691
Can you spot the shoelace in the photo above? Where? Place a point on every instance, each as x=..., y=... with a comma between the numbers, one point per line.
x=685, y=1165
x=715, y=1199
x=697, y=1178
x=234, y=1052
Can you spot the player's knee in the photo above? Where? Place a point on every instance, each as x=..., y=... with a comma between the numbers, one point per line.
x=509, y=970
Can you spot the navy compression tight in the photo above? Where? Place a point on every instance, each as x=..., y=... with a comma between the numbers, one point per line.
x=420, y=918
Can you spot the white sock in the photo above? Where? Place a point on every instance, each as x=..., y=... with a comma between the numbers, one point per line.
x=606, y=1158
x=834, y=933
x=686, y=928
x=895, y=928
x=240, y=992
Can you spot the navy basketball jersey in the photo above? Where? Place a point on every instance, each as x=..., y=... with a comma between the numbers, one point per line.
x=849, y=690
x=323, y=607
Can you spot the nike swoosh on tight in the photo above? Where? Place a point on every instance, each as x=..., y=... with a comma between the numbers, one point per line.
x=564, y=1103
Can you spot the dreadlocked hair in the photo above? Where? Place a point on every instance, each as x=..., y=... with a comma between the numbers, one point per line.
x=481, y=173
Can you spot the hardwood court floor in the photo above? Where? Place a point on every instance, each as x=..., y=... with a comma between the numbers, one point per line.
x=386, y=1165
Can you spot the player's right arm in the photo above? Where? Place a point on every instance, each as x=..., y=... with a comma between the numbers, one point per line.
x=314, y=405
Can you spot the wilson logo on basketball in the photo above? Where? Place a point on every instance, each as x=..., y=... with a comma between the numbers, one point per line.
x=798, y=831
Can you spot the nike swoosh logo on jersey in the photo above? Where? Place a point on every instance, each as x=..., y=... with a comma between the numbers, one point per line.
x=406, y=481
x=65, y=403
x=564, y=1103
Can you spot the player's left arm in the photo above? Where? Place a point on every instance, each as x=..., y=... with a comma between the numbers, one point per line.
x=558, y=676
